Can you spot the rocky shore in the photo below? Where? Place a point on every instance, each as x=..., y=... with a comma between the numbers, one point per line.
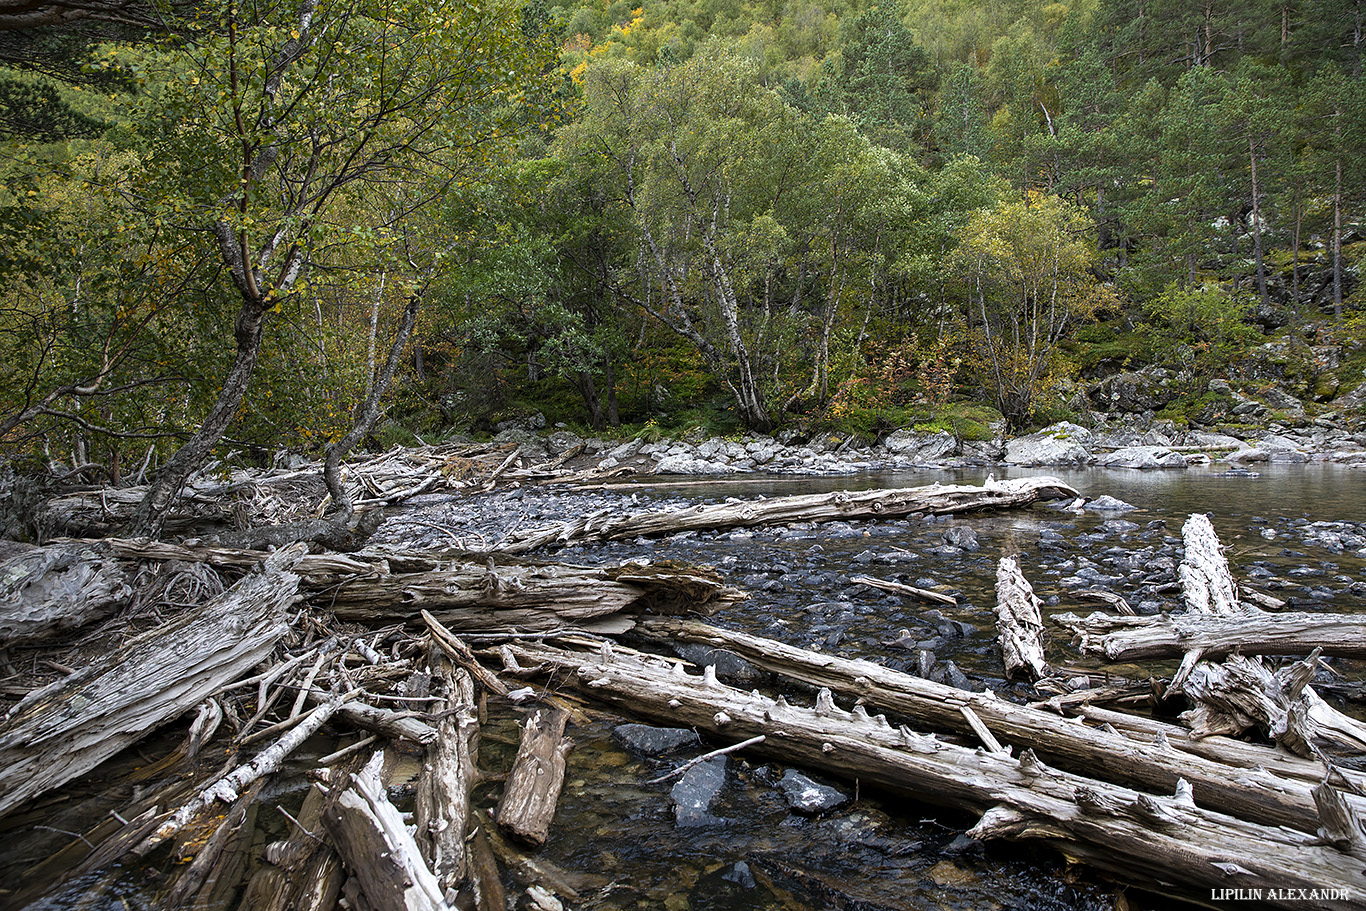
x=1125, y=441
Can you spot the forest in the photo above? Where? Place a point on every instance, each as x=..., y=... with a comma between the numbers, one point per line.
x=259, y=226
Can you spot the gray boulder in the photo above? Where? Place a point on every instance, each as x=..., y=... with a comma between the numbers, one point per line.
x=1147, y=390
x=1061, y=444
x=806, y=796
x=921, y=447
x=1142, y=457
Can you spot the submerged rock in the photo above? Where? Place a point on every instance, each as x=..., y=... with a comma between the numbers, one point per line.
x=697, y=790
x=1142, y=457
x=646, y=740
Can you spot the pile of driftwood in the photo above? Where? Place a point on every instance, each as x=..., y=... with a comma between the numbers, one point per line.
x=403, y=653
x=240, y=500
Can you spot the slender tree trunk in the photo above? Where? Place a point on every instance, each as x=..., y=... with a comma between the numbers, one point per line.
x=1257, y=223
x=372, y=335
x=171, y=477
x=368, y=414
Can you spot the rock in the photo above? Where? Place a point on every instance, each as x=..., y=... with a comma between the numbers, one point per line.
x=645, y=740
x=962, y=537
x=532, y=420
x=697, y=790
x=1147, y=390
x=563, y=440
x=809, y=797
x=921, y=447
x=1060, y=444
x=627, y=450
x=686, y=464
x=730, y=667
x=1108, y=503
x=1142, y=457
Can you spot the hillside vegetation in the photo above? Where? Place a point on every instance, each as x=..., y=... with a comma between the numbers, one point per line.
x=275, y=225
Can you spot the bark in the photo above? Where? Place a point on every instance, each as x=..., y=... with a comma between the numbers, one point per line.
x=376, y=846
x=1018, y=624
x=843, y=505
x=69, y=727
x=49, y=590
x=1255, y=783
x=1207, y=585
x=527, y=807
x=1164, y=842
x=448, y=775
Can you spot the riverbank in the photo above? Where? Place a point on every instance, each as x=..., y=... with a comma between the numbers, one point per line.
x=1124, y=442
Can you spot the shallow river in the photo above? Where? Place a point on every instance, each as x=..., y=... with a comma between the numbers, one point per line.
x=619, y=834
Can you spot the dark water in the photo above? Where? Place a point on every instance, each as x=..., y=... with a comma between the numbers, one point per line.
x=615, y=835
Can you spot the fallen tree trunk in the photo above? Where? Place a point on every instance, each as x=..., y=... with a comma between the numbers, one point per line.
x=1227, y=776
x=470, y=596
x=527, y=806
x=465, y=594
x=1206, y=582
x=376, y=846
x=608, y=525
x=1166, y=843
x=46, y=590
x=72, y=725
x=1018, y=624
x=301, y=873
x=1252, y=632
x=449, y=773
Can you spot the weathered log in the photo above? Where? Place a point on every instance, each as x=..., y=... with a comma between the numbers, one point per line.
x=47, y=590
x=1242, y=694
x=70, y=726
x=302, y=873
x=210, y=874
x=466, y=594
x=485, y=880
x=532, y=792
x=1226, y=776
x=459, y=653
x=376, y=846
x=899, y=588
x=1295, y=633
x=449, y=772
x=471, y=597
x=1166, y=843
x=608, y=525
x=1207, y=585
x=1019, y=627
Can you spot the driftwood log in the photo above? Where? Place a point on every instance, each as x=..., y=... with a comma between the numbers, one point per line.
x=449, y=773
x=301, y=873
x=67, y=728
x=1165, y=842
x=376, y=846
x=1019, y=627
x=47, y=590
x=1255, y=783
x=608, y=525
x=532, y=792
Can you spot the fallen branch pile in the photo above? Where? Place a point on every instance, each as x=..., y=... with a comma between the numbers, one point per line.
x=374, y=647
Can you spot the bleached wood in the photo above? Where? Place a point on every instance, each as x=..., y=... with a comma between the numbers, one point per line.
x=527, y=807
x=1019, y=627
x=449, y=773
x=72, y=725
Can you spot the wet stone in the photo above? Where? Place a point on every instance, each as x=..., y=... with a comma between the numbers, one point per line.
x=647, y=740
x=730, y=667
x=962, y=537
x=1108, y=503
x=697, y=790
x=809, y=797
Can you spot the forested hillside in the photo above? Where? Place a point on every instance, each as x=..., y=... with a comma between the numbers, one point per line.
x=268, y=225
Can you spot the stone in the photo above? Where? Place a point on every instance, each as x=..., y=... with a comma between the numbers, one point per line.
x=1061, y=444
x=1108, y=503
x=697, y=790
x=647, y=740
x=921, y=447
x=809, y=797
x=962, y=537
x=1141, y=457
